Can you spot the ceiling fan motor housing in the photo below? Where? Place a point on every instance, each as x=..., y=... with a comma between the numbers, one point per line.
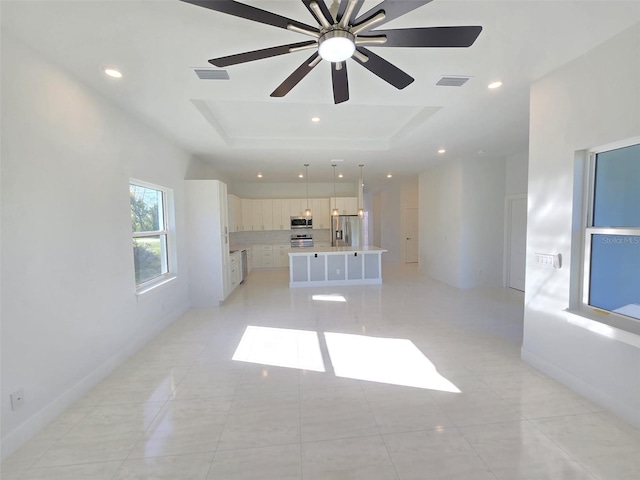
x=336, y=44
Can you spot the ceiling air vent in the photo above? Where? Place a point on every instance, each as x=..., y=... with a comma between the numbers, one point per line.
x=211, y=74
x=452, y=81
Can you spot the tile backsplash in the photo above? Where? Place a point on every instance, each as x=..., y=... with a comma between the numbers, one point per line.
x=266, y=237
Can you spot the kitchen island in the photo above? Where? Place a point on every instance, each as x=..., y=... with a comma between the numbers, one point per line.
x=332, y=266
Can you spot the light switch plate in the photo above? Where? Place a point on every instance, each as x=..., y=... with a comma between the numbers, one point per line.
x=549, y=260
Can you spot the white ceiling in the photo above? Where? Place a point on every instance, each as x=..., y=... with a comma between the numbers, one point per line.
x=235, y=124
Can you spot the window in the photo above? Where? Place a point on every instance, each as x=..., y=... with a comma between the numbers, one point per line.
x=611, y=280
x=149, y=222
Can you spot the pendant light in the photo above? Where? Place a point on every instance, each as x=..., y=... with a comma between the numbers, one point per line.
x=361, y=194
x=335, y=211
x=307, y=212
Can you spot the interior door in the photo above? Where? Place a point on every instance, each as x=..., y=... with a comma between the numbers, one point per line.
x=517, y=242
x=411, y=235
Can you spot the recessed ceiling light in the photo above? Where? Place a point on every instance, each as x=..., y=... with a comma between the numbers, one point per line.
x=442, y=150
x=340, y=175
x=315, y=119
x=389, y=175
x=300, y=175
x=493, y=85
x=112, y=72
x=259, y=175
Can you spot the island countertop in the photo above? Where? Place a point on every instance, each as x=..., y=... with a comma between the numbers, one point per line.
x=335, y=250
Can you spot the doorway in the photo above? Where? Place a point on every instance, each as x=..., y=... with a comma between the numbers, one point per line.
x=515, y=241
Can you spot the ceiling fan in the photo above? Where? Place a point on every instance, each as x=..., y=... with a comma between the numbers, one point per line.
x=342, y=34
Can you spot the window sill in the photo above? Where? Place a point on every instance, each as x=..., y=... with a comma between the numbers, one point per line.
x=143, y=293
x=617, y=327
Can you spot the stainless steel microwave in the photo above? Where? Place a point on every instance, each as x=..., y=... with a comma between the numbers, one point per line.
x=301, y=222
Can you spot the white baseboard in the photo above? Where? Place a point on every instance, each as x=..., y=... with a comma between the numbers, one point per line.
x=585, y=389
x=24, y=432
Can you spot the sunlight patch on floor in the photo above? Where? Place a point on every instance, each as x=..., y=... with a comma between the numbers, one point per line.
x=395, y=361
x=334, y=297
x=280, y=347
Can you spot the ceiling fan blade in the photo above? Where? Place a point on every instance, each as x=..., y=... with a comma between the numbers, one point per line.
x=385, y=70
x=429, y=36
x=343, y=7
x=323, y=11
x=241, y=10
x=392, y=9
x=295, y=78
x=258, y=54
x=340, y=83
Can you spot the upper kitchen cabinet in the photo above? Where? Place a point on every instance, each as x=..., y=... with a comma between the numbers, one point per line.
x=235, y=213
x=207, y=242
x=267, y=214
x=280, y=220
x=321, y=213
x=298, y=205
x=285, y=212
x=345, y=205
x=247, y=215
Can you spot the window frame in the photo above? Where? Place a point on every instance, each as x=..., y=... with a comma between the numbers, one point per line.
x=167, y=231
x=608, y=317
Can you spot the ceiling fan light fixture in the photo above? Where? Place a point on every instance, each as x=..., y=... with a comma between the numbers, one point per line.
x=113, y=72
x=336, y=46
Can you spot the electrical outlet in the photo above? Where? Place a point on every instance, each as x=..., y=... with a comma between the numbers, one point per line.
x=17, y=399
x=337, y=271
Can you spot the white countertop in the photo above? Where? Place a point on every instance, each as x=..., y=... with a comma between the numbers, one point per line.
x=335, y=250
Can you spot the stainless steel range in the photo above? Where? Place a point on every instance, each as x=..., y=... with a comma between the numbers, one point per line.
x=301, y=240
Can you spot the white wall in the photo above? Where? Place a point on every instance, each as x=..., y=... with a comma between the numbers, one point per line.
x=462, y=222
x=517, y=173
x=440, y=214
x=69, y=309
x=483, y=189
x=592, y=101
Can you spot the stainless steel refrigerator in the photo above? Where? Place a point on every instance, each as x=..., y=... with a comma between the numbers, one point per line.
x=346, y=231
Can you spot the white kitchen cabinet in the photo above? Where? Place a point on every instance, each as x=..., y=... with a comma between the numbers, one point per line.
x=321, y=213
x=235, y=268
x=207, y=242
x=247, y=215
x=279, y=222
x=345, y=205
x=285, y=213
x=298, y=206
x=234, y=204
x=256, y=215
x=267, y=214
x=263, y=256
x=281, y=256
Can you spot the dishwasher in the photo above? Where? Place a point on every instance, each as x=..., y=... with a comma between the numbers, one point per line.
x=245, y=265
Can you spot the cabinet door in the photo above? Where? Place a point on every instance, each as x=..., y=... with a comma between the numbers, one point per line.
x=231, y=205
x=351, y=205
x=321, y=213
x=238, y=213
x=267, y=214
x=256, y=214
x=297, y=207
x=277, y=215
x=336, y=202
x=286, y=214
x=247, y=214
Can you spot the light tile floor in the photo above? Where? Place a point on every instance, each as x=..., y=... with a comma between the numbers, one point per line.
x=182, y=409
